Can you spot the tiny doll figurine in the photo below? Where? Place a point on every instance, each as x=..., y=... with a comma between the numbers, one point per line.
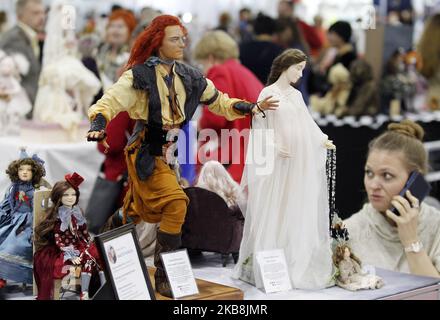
x=336, y=99
x=62, y=240
x=350, y=275
x=16, y=219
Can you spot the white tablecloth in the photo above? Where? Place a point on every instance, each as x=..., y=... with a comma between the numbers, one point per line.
x=62, y=158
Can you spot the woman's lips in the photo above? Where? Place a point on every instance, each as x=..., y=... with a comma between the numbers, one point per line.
x=376, y=197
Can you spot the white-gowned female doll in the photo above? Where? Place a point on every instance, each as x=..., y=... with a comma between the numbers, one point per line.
x=286, y=183
x=66, y=86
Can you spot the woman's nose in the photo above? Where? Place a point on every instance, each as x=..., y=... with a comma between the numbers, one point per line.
x=374, y=183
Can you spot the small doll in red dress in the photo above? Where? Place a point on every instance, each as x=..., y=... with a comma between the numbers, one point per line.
x=62, y=240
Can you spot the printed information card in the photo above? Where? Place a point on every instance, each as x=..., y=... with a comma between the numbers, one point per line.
x=126, y=268
x=273, y=269
x=180, y=274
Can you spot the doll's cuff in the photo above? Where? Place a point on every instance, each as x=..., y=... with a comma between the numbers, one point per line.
x=70, y=253
x=98, y=123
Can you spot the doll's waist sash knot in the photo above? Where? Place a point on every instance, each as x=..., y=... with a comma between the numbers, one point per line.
x=153, y=139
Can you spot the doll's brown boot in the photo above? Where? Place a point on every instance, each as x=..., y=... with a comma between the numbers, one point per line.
x=165, y=242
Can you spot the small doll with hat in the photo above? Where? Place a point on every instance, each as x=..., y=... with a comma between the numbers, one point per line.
x=62, y=241
x=16, y=218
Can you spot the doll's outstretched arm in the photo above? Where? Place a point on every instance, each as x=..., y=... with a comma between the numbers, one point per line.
x=231, y=108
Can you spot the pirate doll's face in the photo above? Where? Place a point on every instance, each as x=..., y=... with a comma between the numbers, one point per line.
x=25, y=172
x=69, y=198
x=173, y=44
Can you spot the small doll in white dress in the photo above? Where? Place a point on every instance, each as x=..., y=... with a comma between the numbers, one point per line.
x=350, y=275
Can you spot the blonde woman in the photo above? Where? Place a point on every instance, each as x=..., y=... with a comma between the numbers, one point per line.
x=408, y=241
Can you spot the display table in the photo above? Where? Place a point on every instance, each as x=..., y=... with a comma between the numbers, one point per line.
x=207, y=291
x=397, y=285
x=60, y=158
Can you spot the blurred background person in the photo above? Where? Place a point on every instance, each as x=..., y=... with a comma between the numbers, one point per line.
x=258, y=54
x=114, y=52
x=429, y=49
x=245, y=29
x=3, y=22
x=23, y=38
x=312, y=41
x=218, y=53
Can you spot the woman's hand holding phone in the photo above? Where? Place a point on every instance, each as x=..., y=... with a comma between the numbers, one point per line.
x=408, y=220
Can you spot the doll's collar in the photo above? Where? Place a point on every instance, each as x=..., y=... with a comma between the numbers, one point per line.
x=154, y=61
x=65, y=214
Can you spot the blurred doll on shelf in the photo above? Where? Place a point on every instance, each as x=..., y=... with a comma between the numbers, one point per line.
x=14, y=102
x=363, y=98
x=397, y=88
x=62, y=240
x=335, y=99
x=349, y=274
x=66, y=86
x=16, y=218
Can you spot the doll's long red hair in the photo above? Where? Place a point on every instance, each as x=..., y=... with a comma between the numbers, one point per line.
x=147, y=43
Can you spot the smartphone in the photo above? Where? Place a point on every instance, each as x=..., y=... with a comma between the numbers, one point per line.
x=418, y=187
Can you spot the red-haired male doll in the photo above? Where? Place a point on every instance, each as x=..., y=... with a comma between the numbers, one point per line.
x=161, y=93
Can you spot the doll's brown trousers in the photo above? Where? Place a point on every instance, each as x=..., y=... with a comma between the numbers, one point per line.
x=159, y=198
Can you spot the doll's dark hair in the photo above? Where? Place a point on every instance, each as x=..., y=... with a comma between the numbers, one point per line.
x=38, y=171
x=44, y=230
x=281, y=63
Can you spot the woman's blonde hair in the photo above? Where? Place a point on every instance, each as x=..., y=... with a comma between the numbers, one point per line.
x=281, y=63
x=214, y=177
x=429, y=47
x=218, y=44
x=405, y=137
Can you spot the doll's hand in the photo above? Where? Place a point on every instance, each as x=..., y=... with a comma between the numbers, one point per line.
x=268, y=104
x=329, y=145
x=99, y=136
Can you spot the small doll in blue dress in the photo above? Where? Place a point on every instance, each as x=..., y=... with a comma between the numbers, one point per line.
x=16, y=219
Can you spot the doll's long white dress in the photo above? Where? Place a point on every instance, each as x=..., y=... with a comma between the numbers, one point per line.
x=287, y=206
